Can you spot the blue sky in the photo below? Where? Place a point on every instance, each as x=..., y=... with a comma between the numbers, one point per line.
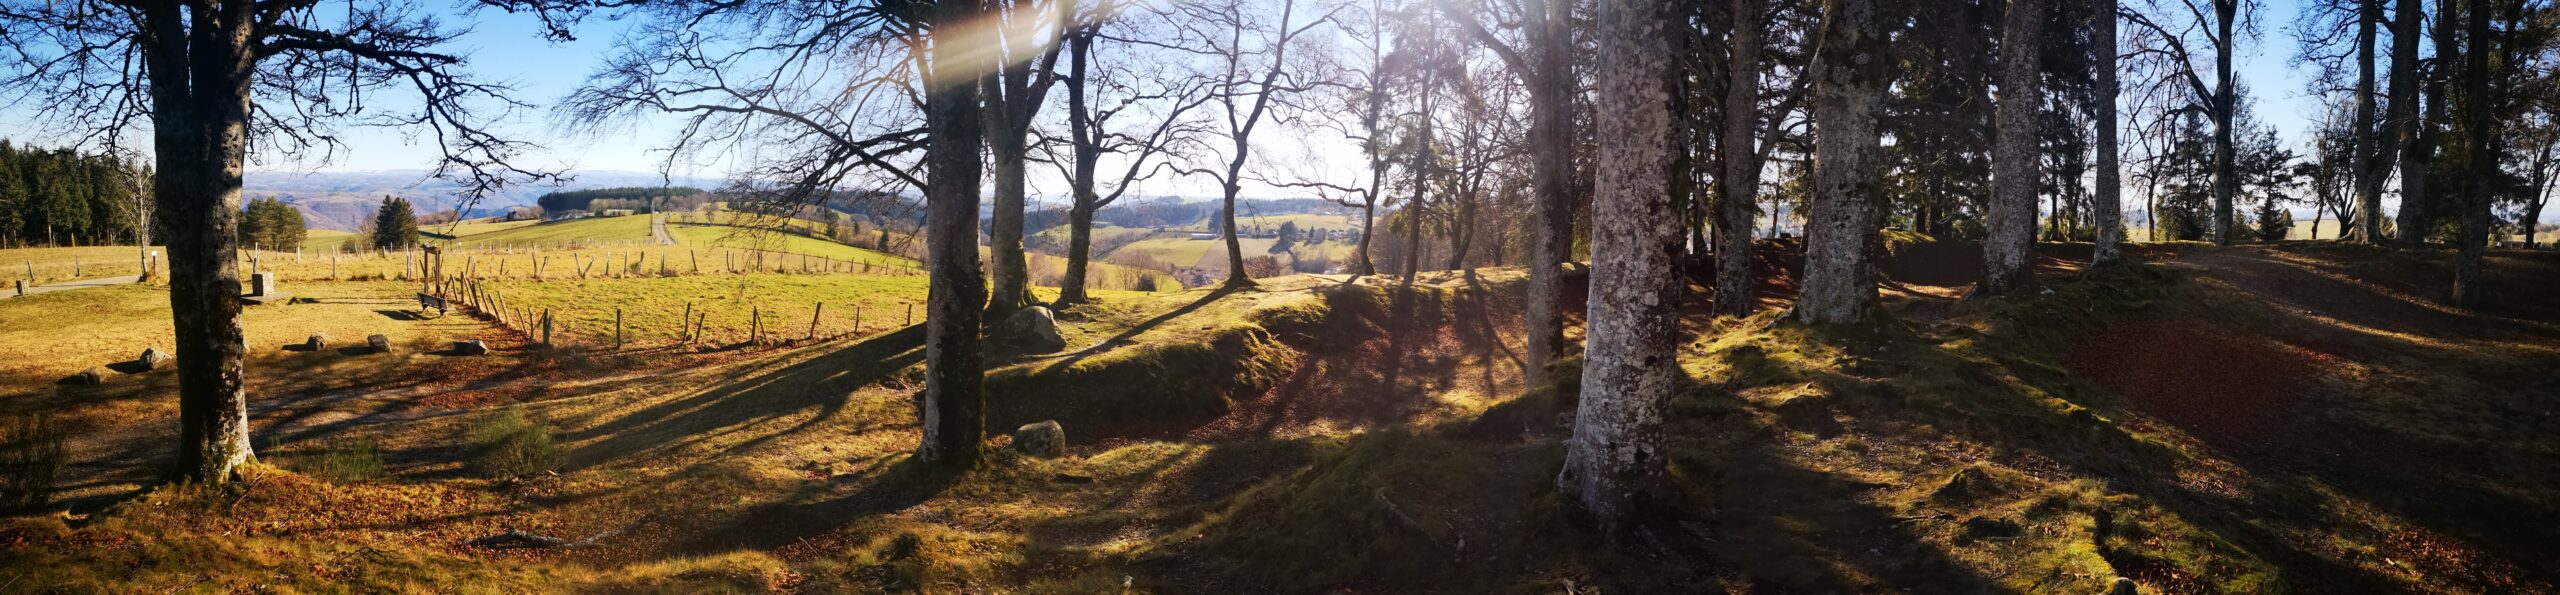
x=509, y=48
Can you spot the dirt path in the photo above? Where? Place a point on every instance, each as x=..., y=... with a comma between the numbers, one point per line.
x=81, y=284
x=658, y=230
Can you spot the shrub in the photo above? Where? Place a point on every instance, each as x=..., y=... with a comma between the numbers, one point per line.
x=511, y=444
x=31, y=455
x=346, y=460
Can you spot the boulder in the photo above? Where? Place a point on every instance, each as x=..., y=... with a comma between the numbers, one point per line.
x=91, y=377
x=152, y=357
x=318, y=341
x=1044, y=439
x=1034, y=329
x=471, y=347
x=378, y=343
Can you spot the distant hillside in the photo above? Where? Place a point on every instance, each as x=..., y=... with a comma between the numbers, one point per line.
x=341, y=200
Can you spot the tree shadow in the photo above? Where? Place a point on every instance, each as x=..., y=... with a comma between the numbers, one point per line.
x=742, y=399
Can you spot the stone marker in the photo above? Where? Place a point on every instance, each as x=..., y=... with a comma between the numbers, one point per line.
x=152, y=357
x=1035, y=329
x=1044, y=439
x=262, y=284
x=378, y=343
x=22, y=287
x=91, y=377
x=318, y=341
x=471, y=347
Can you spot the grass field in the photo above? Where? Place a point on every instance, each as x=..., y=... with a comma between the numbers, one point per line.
x=627, y=230
x=63, y=264
x=116, y=323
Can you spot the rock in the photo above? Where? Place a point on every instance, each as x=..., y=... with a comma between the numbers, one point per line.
x=152, y=357
x=378, y=343
x=91, y=377
x=1044, y=439
x=2123, y=586
x=318, y=341
x=471, y=347
x=1034, y=329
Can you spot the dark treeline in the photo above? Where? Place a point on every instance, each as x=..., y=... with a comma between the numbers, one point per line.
x=638, y=198
x=60, y=197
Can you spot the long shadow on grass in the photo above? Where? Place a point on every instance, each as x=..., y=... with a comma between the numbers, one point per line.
x=820, y=385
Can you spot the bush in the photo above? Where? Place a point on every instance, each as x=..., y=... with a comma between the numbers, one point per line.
x=511, y=444
x=346, y=460
x=31, y=455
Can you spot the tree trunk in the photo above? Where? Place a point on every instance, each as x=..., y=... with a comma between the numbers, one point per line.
x=2011, y=221
x=1413, y=209
x=2368, y=172
x=2226, y=181
x=2416, y=189
x=1079, y=252
x=200, y=81
x=953, y=408
x=2110, y=196
x=1739, y=186
x=2467, y=292
x=1010, y=271
x=2406, y=17
x=1848, y=88
x=1615, y=456
x=1551, y=92
x=1088, y=154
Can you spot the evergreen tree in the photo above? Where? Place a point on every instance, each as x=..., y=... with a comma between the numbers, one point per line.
x=395, y=225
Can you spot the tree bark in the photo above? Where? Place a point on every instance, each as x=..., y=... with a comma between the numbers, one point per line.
x=1615, y=455
x=1551, y=210
x=1848, y=89
x=953, y=408
x=2011, y=220
x=2110, y=196
x=1739, y=185
x=2368, y=171
x=200, y=71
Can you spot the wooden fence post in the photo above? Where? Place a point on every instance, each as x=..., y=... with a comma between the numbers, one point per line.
x=546, y=327
x=755, y=326
x=684, y=326
x=857, y=319
x=911, y=314
x=814, y=311
x=617, y=329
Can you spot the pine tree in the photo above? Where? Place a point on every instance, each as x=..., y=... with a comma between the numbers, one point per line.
x=395, y=226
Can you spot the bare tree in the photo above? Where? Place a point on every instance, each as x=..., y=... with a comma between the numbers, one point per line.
x=1547, y=68
x=210, y=80
x=1250, y=72
x=2163, y=50
x=1027, y=40
x=1096, y=96
x=819, y=97
x=1615, y=454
